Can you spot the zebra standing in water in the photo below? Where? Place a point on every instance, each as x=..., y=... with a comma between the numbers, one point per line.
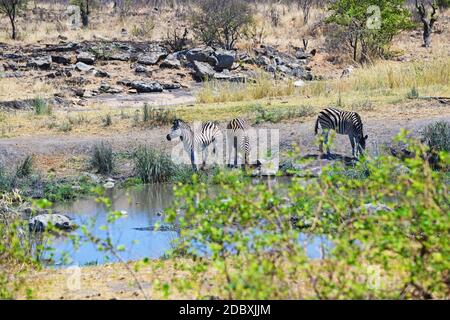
x=343, y=122
x=238, y=139
x=193, y=142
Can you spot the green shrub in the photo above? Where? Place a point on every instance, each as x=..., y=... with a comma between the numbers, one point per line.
x=25, y=168
x=107, y=121
x=152, y=166
x=41, y=107
x=156, y=117
x=399, y=250
x=278, y=115
x=102, y=158
x=413, y=93
x=437, y=136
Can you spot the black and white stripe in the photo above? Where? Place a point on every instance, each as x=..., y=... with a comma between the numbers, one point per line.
x=343, y=122
x=238, y=141
x=195, y=141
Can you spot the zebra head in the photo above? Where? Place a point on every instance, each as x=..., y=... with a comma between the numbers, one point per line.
x=362, y=143
x=178, y=129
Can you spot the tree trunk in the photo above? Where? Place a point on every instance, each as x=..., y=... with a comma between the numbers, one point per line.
x=427, y=31
x=13, y=28
x=355, y=49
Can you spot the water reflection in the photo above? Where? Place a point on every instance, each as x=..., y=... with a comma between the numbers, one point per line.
x=143, y=206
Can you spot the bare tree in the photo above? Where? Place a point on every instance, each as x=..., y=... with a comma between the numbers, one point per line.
x=428, y=23
x=12, y=8
x=305, y=6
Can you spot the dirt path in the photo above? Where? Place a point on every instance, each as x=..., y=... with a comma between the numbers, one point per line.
x=65, y=146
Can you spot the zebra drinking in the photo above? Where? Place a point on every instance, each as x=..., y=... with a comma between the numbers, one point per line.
x=195, y=141
x=343, y=122
x=238, y=141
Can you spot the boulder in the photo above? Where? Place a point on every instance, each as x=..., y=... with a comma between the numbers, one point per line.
x=63, y=59
x=101, y=74
x=140, y=69
x=262, y=61
x=42, y=222
x=202, y=55
x=152, y=58
x=225, y=59
x=142, y=87
x=203, y=71
x=86, y=58
x=171, y=86
x=80, y=66
x=43, y=62
x=63, y=48
x=170, y=62
x=120, y=57
x=106, y=88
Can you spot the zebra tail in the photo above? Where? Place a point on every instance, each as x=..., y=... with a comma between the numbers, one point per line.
x=316, y=128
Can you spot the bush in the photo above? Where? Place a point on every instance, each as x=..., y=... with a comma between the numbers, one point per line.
x=102, y=158
x=144, y=30
x=368, y=34
x=379, y=242
x=156, y=117
x=275, y=115
x=41, y=107
x=25, y=168
x=221, y=22
x=152, y=166
x=437, y=136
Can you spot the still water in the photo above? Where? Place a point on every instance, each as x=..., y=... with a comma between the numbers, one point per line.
x=143, y=206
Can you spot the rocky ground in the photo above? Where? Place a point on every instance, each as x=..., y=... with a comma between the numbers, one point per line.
x=80, y=71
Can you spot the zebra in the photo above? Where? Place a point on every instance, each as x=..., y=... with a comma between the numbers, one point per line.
x=343, y=122
x=237, y=132
x=192, y=142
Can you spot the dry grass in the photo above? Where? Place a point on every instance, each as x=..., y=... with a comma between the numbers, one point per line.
x=20, y=89
x=264, y=87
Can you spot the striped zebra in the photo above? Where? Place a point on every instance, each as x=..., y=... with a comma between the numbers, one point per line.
x=195, y=141
x=343, y=122
x=238, y=141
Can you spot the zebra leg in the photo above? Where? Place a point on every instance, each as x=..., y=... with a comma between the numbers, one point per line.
x=230, y=150
x=235, y=147
x=352, y=142
x=194, y=166
x=204, y=158
x=326, y=133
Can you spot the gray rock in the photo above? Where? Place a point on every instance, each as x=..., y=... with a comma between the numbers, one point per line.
x=225, y=59
x=86, y=58
x=284, y=69
x=106, y=88
x=170, y=62
x=43, y=62
x=101, y=74
x=142, y=87
x=43, y=221
x=202, y=55
x=171, y=86
x=62, y=48
x=140, y=69
x=120, y=57
x=62, y=59
x=151, y=58
x=203, y=71
x=263, y=61
x=80, y=66
x=225, y=75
